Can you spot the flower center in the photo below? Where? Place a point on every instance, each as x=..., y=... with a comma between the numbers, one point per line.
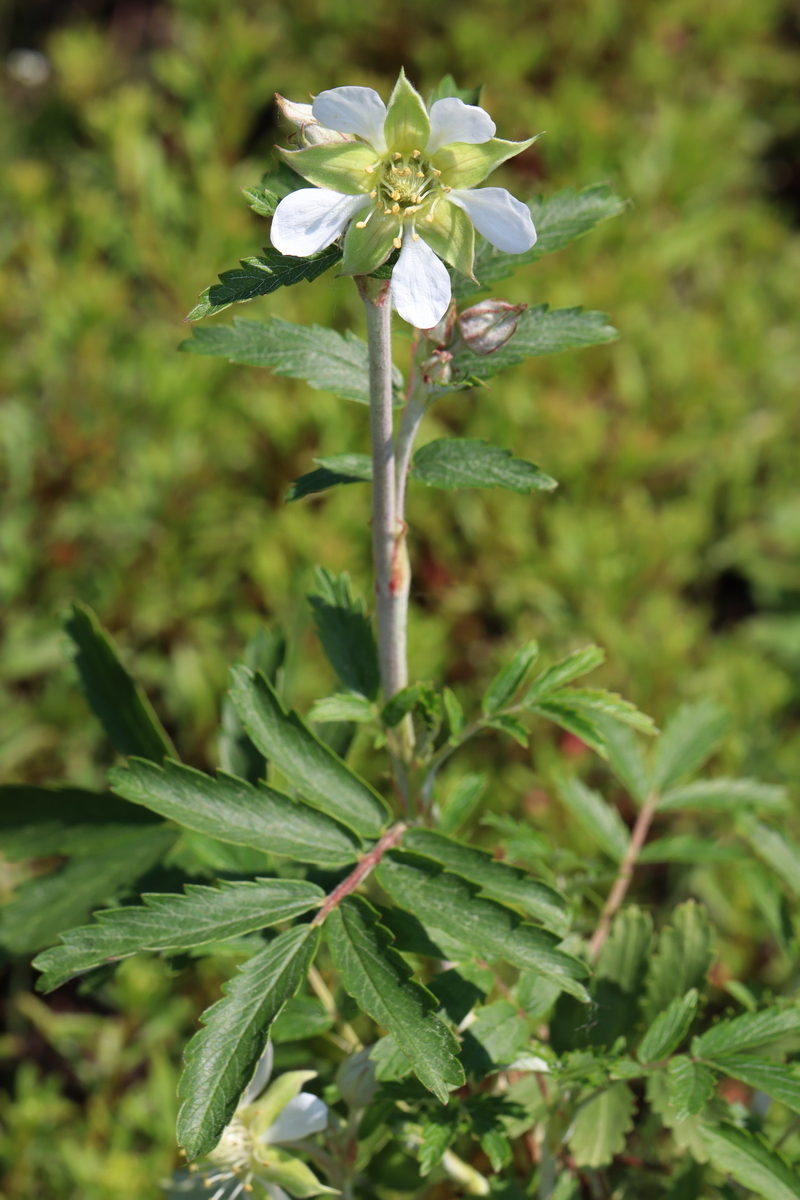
x=406, y=184
x=235, y=1147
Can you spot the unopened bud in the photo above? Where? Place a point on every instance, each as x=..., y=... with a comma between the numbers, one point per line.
x=310, y=132
x=439, y=335
x=355, y=1079
x=438, y=368
x=489, y=324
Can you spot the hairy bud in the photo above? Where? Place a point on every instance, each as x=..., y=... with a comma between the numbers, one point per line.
x=489, y=324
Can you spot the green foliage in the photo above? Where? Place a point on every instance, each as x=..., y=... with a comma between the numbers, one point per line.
x=466, y=462
x=539, y=332
x=345, y=631
x=600, y=1127
x=603, y=823
x=682, y=958
x=260, y=275
x=751, y=1162
x=669, y=1028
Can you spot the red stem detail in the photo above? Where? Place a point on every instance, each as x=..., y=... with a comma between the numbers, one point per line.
x=367, y=864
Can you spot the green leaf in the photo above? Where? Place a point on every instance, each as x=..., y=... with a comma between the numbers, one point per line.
x=683, y=957
x=454, y=712
x=539, y=332
x=779, y=1080
x=690, y=1086
x=601, y=1125
x=116, y=700
x=751, y=1161
x=625, y=758
x=580, y=662
x=439, y=1129
x=265, y=651
x=343, y=707
x=234, y=811
x=379, y=979
x=221, y=1058
x=317, y=773
x=689, y=738
x=471, y=463
x=456, y=995
x=345, y=631
x=747, y=1032
x=712, y=795
x=688, y=849
x=669, y=1028
x=780, y=853
x=44, y=906
x=510, y=725
x=600, y=820
x=324, y=478
x=495, y=879
x=261, y=201
x=626, y=952
x=258, y=276
x=598, y=700
x=558, y=221
x=462, y=800
x=447, y=86
x=574, y=722
x=303, y=1017
x=328, y=361
x=168, y=923
x=38, y=822
x=505, y=684
x=501, y=1032
x=446, y=902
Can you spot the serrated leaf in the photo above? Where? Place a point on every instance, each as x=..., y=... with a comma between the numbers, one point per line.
x=712, y=795
x=748, y=1032
x=117, y=701
x=261, y=201
x=343, y=707
x=682, y=959
x=234, y=811
x=379, y=979
x=558, y=221
x=601, y=1125
x=690, y=1086
x=501, y=1031
x=688, y=739
x=538, y=332
x=751, y=1161
x=171, y=922
x=322, y=778
x=599, y=701
x=446, y=902
x=781, y=1081
x=325, y=478
x=625, y=758
x=462, y=800
x=777, y=850
x=265, y=651
x=302, y=1017
x=456, y=995
x=439, y=1128
x=45, y=906
x=573, y=721
x=470, y=463
x=580, y=662
x=345, y=631
x=511, y=726
x=669, y=1028
x=506, y=682
x=260, y=275
x=326, y=360
x=38, y=822
x=685, y=848
x=600, y=820
x=221, y=1058
x=625, y=954
x=496, y=879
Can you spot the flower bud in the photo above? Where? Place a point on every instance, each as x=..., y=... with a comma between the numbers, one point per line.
x=489, y=324
x=311, y=133
x=355, y=1079
x=438, y=368
x=441, y=333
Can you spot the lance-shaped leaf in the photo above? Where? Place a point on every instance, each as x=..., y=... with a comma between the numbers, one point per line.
x=345, y=631
x=260, y=275
x=601, y=1124
x=379, y=979
x=751, y=1161
x=625, y=757
x=265, y=651
x=116, y=700
x=781, y=1081
x=539, y=332
x=689, y=738
x=495, y=879
x=261, y=200
x=690, y=1085
x=221, y=1058
x=684, y=956
x=598, y=702
x=327, y=360
x=168, y=923
x=443, y=901
x=506, y=683
x=669, y=1028
x=600, y=820
x=234, y=811
x=45, y=906
x=748, y=1032
x=37, y=822
x=725, y=795
x=469, y=463
x=317, y=773
x=580, y=662
x=332, y=471
x=780, y=852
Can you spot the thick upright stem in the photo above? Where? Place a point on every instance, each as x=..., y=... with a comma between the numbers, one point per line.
x=388, y=534
x=623, y=880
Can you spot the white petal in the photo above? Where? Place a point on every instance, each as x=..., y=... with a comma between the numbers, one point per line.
x=454, y=121
x=420, y=284
x=298, y=114
x=309, y=219
x=502, y=219
x=260, y=1077
x=301, y=1117
x=353, y=110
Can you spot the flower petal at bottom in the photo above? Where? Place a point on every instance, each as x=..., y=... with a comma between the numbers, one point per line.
x=502, y=219
x=420, y=284
x=308, y=220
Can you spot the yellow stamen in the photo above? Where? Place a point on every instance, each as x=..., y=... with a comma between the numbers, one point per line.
x=397, y=155
x=420, y=174
x=415, y=154
x=395, y=195
x=372, y=195
x=397, y=243
x=415, y=237
x=435, y=172
x=395, y=208
x=429, y=218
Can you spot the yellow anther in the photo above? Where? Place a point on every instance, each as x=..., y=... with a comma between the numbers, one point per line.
x=373, y=194
x=397, y=243
x=447, y=189
x=369, y=170
x=420, y=174
x=395, y=195
x=429, y=218
x=387, y=212
x=415, y=237
x=435, y=171
x=406, y=171
x=395, y=208
x=361, y=224
x=397, y=155
x=415, y=154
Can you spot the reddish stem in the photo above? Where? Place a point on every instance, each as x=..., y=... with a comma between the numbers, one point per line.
x=367, y=864
x=623, y=881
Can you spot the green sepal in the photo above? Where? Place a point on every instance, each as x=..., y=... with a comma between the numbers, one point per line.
x=407, y=127
x=344, y=167
x=278, y=1166
x=464, y=165
x=367, y=249
x=451, y=235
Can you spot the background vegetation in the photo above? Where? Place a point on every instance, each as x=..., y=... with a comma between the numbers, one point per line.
x=150, y=484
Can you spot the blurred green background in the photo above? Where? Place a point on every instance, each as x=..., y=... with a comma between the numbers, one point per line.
x=150, y=483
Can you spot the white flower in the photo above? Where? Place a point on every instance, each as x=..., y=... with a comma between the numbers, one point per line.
x=403, y=179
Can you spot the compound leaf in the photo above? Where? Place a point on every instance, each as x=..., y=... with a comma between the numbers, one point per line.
x=747, y=1032
x=689, y=738
x=683, y=957
x=690, y=1085
x=777, y=850
x=580, y=662
x=505, y=684
x=345, y=631
x=751, y=1161
x=726, y=795
x=779, y=1080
